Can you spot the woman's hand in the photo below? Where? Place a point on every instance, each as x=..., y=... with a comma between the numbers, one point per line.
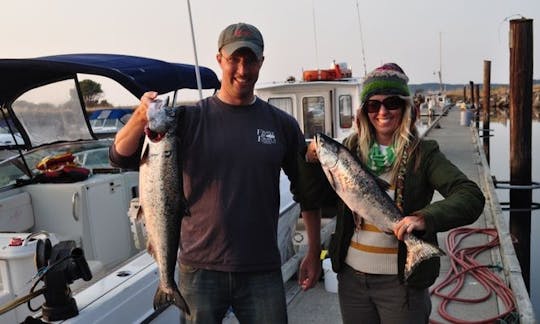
x=311, y=153
x=408, y=224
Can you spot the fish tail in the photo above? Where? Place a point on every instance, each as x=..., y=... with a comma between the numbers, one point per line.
x=418, y=251
x=163, y=298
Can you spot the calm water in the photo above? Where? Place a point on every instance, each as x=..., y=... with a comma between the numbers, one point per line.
x=500, y=168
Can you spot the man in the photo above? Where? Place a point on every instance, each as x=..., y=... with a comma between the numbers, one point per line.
x=233, y=148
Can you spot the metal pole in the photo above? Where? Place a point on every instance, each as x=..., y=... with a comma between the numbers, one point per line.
x=361, y=38
x=486, y=100
x=315, y=38
x=521, y=72
x=197, y=72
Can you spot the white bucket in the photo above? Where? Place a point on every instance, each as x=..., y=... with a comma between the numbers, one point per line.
x=330, y=277
x=465, y=118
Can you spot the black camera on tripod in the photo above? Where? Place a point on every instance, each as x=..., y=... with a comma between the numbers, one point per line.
x=61, y=265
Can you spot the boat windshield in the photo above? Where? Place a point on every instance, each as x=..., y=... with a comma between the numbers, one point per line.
x=35, y=107
x=89, y=154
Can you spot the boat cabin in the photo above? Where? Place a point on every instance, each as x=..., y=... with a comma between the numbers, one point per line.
x=320, y=105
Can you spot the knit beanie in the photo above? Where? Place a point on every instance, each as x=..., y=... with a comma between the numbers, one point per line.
x=388, y=79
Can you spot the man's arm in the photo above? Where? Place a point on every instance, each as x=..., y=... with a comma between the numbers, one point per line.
x=128, y=137
x=310, y=267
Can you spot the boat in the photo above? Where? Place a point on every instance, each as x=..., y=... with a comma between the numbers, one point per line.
x=324, y=101
x=63, y=207
x=435, y=104
x=107, y=122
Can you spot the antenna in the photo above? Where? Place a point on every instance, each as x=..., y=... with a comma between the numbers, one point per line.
x=315, y=35
x=440, y=62
x=197, y=72
x=361, y=38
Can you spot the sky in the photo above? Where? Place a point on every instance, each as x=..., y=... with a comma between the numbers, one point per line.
x=422, y=36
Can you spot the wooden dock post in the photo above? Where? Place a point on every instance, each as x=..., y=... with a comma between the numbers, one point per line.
x=486, y=105
x=521, y=77
x=477, y=105
x=473, y=101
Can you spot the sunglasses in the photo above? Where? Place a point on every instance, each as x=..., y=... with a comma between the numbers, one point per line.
x=390, y=103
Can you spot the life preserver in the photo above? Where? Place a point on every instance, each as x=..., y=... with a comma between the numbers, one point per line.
x=54, y=162
x=61, y=168
x=319, y=75
x=326, y=75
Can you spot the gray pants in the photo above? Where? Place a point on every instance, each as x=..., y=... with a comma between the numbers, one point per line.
x=372, y=298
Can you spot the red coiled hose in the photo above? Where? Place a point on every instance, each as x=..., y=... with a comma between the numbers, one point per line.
x=463, y=263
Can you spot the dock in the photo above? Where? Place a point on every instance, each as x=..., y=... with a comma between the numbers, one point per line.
x=463, y=147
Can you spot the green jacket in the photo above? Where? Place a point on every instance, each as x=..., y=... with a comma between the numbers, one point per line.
x=463, y=204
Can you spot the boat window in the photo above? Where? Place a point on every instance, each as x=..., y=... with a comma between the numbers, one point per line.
x=89, y=154
x=313, y=113
x=284, y=103
x=10, y=172
x=345, y=111
x=52, y=113
x=96, y=122
x=110, y=122
x=7, y=139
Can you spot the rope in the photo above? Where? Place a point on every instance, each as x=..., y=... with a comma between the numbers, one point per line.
x=463, y=263
x=19, y=301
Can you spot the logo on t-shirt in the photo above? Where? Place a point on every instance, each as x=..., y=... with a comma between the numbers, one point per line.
x=266, y=137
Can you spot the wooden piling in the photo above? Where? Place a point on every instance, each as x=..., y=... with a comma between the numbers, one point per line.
x=486, y=100
x=477, y=105
x=521, y=77
x=473, y=101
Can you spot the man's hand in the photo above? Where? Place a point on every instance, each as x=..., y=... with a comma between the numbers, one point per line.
x=310, y=271
x=127, y=138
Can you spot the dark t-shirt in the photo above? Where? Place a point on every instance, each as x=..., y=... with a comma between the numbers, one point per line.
x=232, y=157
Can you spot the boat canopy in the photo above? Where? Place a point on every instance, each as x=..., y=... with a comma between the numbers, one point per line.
x=32, y=90
x=136, y=74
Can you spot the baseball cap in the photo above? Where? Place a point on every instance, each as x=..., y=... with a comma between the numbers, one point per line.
x=240, y=35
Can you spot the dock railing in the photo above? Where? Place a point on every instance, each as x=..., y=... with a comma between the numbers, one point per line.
x=510, y=262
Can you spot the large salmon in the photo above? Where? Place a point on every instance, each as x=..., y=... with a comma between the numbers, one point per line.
x=361, y=191
x=162, y=200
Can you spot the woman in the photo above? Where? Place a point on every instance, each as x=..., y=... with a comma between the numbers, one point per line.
x=370, y=263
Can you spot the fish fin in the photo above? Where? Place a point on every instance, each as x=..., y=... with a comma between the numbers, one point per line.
x=150, y=248
x=145, y=150
x=418, y=251
x=332, y=180
x=162, y=299
x=140, y=214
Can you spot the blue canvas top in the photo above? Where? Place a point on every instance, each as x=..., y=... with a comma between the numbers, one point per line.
x=69, y=123
x=136, y=74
